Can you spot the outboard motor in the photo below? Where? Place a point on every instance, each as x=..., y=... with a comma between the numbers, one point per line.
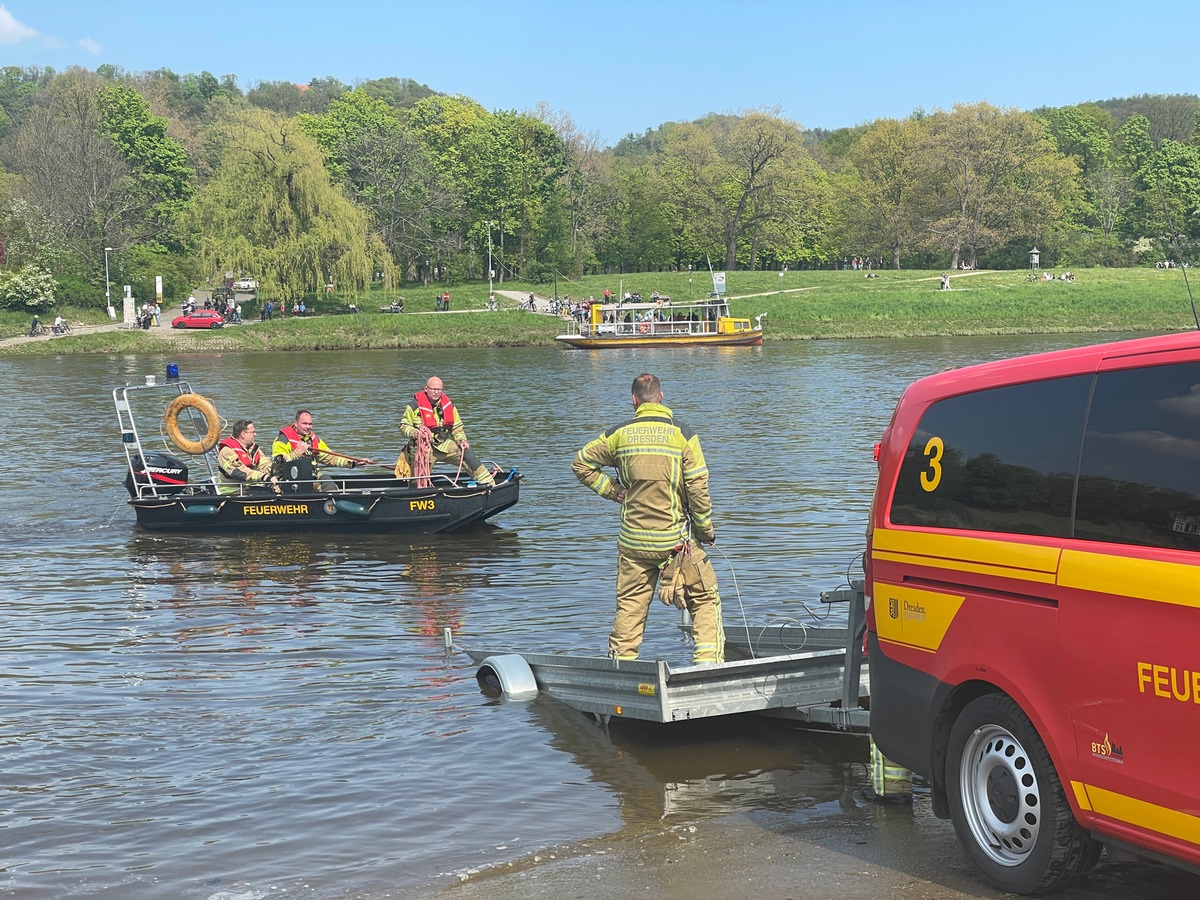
x=166, y=473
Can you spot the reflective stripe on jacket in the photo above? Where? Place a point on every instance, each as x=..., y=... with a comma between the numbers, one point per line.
x=661, y=465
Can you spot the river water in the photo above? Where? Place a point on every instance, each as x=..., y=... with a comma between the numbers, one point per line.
x=239, y=715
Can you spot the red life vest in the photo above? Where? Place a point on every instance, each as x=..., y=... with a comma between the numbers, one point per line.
x=296, y=439
x=426, y=409
x=243, y=454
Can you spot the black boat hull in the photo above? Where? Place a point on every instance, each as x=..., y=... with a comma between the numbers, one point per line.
x=355, y=504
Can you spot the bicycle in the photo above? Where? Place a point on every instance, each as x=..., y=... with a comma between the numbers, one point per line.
x=37, y=329
x=64, y=328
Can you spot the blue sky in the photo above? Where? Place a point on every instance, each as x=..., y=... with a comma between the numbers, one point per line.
x=618, y=66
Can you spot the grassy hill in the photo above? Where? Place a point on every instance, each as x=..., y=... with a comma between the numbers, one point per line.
x=799, y=306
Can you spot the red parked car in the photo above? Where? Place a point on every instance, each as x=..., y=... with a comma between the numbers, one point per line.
x=201, y=318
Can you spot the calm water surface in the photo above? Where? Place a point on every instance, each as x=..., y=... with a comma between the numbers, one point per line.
x=236, y=715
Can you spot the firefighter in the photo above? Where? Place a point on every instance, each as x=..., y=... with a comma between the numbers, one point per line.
x=666, y=513
x=433, y=418
x=241, y=462
x=298, y=440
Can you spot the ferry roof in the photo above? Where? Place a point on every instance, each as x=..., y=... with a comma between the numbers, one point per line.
x=653, y=304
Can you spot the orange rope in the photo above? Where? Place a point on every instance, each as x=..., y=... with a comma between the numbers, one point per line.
x=462, y=458
x=423, y=458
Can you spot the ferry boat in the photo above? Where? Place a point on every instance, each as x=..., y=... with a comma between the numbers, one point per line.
x=661, y=323
x=169, y=493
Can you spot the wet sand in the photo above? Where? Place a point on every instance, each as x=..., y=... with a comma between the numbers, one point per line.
x=870, y=852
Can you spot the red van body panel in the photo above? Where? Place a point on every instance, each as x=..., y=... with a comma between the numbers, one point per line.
x=1097, y=641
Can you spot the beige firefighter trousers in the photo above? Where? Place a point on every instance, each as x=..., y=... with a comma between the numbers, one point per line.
x=636, y=580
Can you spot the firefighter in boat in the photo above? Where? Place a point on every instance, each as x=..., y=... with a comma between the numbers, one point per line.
x=241, y=462
x=435, y=432
x=298, y=441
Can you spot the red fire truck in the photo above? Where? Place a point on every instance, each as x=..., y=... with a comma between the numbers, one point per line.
x=1034, y=633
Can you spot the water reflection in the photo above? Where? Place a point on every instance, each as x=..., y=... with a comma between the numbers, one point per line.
x=700, y=769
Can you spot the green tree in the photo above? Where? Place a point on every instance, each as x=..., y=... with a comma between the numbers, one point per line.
x=160, y=178
x=272, y=211
x=587, y=186
x=640, y=233
x=282, y=97
x=731, y=177
x=994, y=176
x=29, y=289
x=535, y=161
x=451, y=130
x=1080, y=137
x=369, y=149
x=398, y=93
x=18, y=88
x=882, y=195
x=73, y=174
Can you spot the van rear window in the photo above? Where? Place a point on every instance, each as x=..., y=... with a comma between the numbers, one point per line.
x=999, y=460
x=1139, y=479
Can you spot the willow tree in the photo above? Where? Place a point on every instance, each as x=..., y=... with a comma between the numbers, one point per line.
x=271, y=211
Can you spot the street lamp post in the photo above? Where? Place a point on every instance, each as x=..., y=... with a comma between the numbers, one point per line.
x=490, y=270
x=107, y=289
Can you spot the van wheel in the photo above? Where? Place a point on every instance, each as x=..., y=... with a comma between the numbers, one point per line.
x=1007, y=802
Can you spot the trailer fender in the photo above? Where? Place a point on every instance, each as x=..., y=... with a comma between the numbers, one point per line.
x=510, y=673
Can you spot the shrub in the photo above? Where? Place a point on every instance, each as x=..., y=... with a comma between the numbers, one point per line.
x=30, y=288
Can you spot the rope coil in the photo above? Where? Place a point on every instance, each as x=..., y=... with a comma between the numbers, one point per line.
x=423, y=458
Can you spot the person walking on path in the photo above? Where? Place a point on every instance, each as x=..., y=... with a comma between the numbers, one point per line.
x=666, y=512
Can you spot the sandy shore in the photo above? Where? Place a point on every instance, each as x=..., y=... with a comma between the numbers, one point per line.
x=867, y=852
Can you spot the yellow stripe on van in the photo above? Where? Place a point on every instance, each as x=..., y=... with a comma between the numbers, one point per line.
x=1159, y=819
x=959, y=565
x=1124, y=576
x=913, y=617
x=950, y=551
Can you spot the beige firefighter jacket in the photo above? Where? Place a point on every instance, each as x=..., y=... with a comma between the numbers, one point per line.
x=662, y=469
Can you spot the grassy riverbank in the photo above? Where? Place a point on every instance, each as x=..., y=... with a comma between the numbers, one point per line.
x=799, y=306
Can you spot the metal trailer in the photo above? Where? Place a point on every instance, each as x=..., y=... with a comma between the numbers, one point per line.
x=822, y=686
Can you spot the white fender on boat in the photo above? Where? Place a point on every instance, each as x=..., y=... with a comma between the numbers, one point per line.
x=512, y=672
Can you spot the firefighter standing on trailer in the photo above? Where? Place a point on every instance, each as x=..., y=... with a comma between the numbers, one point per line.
x=665, y=512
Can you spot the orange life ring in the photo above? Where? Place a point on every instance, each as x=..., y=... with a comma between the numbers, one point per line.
x=212, y=423
x=644, y=327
